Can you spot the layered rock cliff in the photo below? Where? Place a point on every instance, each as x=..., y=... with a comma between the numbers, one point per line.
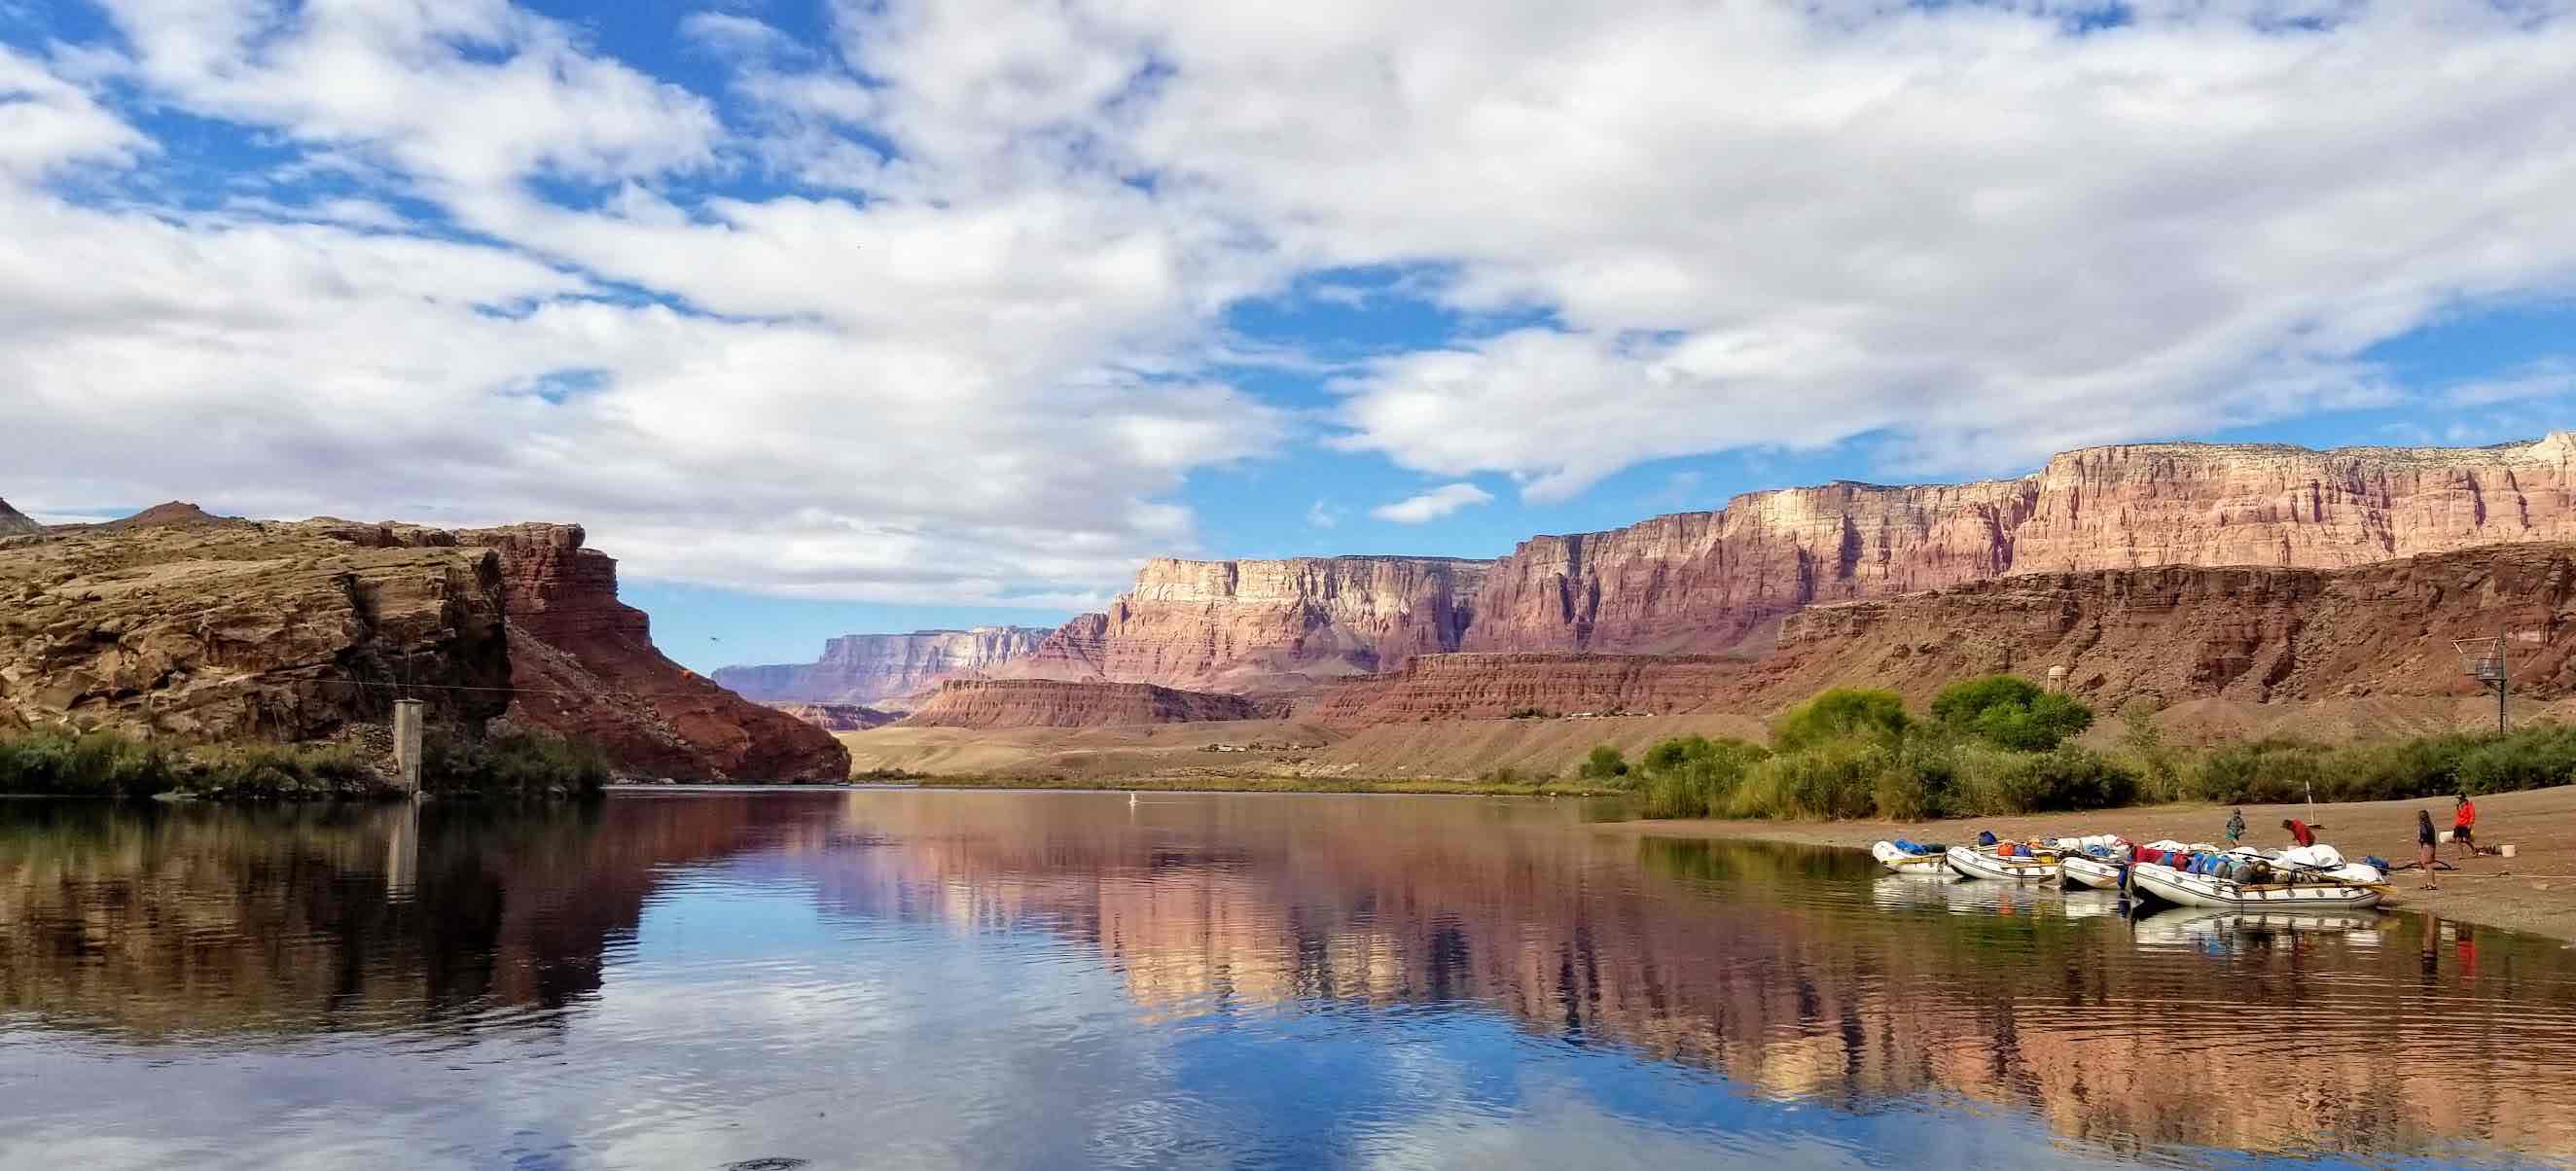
x=1056, y=703
x=881, y=669
x=1248, y=625
x=175, y=623
x=839, y=717
x=1709, y=582
x=1493, y=686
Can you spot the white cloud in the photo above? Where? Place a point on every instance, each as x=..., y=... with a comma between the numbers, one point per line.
x=2548, y=378
x=1322, y=515
x=968, y=352
x=1432, y=505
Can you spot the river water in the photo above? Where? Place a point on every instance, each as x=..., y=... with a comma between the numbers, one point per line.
x=1043, y=980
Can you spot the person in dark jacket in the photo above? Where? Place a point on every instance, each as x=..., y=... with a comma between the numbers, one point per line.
x=2424, y=855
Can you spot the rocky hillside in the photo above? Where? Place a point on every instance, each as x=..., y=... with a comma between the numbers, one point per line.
x=2177, y=633
x=14, y=523
x=185, y=625
x=1711, y=582
x=1051, y=703
x=1492, y=686
x=881, y=669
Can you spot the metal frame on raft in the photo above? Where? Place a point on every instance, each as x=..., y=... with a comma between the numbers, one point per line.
x=2167, y=884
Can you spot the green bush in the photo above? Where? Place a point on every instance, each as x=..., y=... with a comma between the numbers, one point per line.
x=1835, y=779
x=2160, y=773
x=1692, y=776
x=91, y=764
x=2009, y=711
x=1605, y=764
x=281, y=772
x=1837, y=714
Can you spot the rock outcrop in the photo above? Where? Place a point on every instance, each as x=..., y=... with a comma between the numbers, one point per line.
x=14, y=523
x=1056, y=703
x=179, y=624
x=1494, y=686
x=2175, y=633
x=839, y=717
x=883, y=669
x=1711, y=582
x=230, y=631
x=583, y=664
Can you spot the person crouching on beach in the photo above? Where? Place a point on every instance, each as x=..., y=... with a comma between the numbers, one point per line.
x=2424, y=855
x=2301, y=833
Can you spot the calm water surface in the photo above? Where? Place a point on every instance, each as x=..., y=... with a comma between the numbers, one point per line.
x=1040, y=980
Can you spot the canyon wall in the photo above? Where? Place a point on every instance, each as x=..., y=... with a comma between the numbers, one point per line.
x=878, y=669
x=1052, y=703
x=839, y=717
x=1494, y=686
x=1722, y=581
x=1260, y=625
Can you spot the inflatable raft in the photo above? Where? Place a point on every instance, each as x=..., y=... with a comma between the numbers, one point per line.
x=2162, y=882
x=1918, y=860
x=1986, y=864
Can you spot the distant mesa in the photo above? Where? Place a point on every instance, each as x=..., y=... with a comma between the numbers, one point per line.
x=839, y=717
x=171, y=514
x=884, y=670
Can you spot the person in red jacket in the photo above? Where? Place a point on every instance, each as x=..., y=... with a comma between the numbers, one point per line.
x=2301, y=833
x=2464, y=824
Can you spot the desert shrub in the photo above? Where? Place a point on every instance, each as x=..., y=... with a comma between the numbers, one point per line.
x=512, y=764
x=1840, y=713
x=2258, y=772
x=1833, y=779
x=2009, y=711
x=92, y=764
x=1995, y=781
x=1692, y=776
x=2142, y=742
x=2532, y=757
x=1605, y=764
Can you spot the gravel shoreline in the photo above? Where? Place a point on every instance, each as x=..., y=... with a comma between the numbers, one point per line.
x=2534, y=891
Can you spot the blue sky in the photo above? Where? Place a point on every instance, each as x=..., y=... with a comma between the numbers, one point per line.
x=830, y=316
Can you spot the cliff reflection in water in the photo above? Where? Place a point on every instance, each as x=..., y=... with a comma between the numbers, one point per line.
x=1792, y=974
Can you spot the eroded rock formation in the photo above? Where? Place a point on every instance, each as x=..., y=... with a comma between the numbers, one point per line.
x=180, y=624
x=883, y=669
x=1056, y=703
x=1710, y=582
x=15, y=523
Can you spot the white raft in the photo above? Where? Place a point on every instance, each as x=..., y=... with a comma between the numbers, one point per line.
x=2087, y=870
x=1974, y=863
x=1904, y=863
x=2200, y=890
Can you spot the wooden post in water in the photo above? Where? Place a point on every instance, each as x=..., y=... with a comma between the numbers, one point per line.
x=407, y=722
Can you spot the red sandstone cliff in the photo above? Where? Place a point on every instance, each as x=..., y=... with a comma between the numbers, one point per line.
x=839, y=717
x=1055, y=703
x=1245, y=625
x=583, y=664
x=1715, y=581
x=878, y=669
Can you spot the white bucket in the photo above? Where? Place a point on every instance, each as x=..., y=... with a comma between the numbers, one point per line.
x=2443, y=837
x=2505, y=851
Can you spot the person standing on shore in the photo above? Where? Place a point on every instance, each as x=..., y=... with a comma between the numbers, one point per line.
x=2424, y=854
x=2464, y=824
x=2235, y=827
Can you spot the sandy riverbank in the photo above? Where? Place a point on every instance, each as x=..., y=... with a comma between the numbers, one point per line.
x=2533, y=891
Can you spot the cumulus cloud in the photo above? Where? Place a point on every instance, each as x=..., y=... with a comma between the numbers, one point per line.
x=933, y=307
x=1432, y=505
